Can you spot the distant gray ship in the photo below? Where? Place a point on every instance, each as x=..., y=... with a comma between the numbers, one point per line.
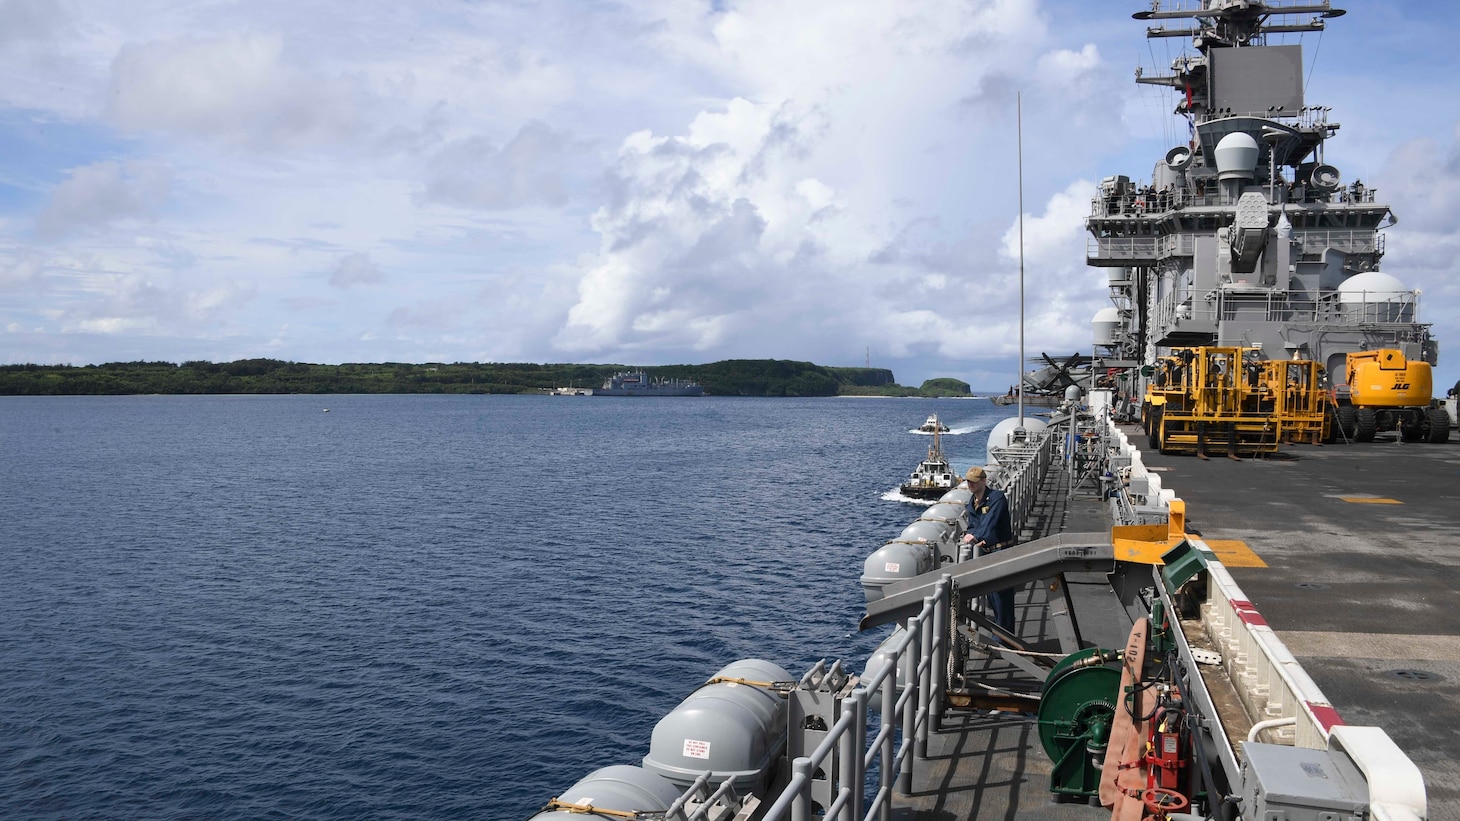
x=636, y=383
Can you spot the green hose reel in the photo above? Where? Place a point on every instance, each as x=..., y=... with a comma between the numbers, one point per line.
x=1081, y=695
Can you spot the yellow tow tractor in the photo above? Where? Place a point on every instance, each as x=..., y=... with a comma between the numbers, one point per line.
x=1231, y=398
x=1385, y=390
x=1198, y=397
x=1300, y=399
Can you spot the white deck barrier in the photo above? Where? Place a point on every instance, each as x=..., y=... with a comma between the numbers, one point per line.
x=1274, y=689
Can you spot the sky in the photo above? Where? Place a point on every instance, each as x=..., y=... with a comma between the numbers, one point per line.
x=644, y=182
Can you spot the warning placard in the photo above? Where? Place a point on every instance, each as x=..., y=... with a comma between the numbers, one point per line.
x=696, y=749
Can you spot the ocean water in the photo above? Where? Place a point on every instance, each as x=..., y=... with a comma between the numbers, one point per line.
x=413, y=606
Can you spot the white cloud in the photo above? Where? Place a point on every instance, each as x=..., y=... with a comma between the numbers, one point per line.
x=1058, y=235
x=440, y=314
x=683, y=234
x=94, y=196
x=800, y=215
x=1421, y=180
x=134, y=303
x=356, y=269
x=26, y=22
x=21, y=272
x=471, y=172
x=1422, y=177
x=236, y=87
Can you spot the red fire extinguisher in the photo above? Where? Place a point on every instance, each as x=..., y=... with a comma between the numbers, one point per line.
x=1167, y=752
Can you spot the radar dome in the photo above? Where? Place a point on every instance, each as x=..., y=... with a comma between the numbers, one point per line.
x=1371, y=286
x=1375, y=296
x=1008, y=432
x=1106, y=325
x=1236, y=156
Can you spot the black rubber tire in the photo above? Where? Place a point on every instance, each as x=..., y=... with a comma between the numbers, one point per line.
x=1153, y=430
x=1367, y=424
x=1161, y=441
x=1348, y=421
x=1439, y=426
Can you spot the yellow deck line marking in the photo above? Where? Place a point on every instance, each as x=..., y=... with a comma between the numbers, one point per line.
x=1234, y=553
x=1369, y=500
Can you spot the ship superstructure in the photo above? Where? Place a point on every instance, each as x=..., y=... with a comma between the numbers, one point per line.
x=1246, y=235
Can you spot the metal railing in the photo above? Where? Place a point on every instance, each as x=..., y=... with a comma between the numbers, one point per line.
x=1351, y=308
x=724, y=794
x=1310, y=243
x=1085, y=451
x=1023, y=467
x=921, y=656
x=1145, y=201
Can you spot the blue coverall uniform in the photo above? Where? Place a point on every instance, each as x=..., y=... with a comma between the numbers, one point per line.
x=989, y=522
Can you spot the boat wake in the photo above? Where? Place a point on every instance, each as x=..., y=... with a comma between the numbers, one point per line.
x=952, y=431
x=896, y=495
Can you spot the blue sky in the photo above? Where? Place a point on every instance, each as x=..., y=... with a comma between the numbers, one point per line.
x=648, y=182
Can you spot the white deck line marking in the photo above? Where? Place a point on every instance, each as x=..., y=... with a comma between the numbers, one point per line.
x=1390, y=646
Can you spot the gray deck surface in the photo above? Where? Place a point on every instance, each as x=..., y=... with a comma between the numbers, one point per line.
x=1365, y=594
x=986, y=765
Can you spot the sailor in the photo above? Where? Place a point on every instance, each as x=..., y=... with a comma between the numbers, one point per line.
x=990, y=529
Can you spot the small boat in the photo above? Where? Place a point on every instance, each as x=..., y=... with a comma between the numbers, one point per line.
x=933, y=426
x=933, y=476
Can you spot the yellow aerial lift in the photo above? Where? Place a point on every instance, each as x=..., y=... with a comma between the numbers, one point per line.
x=1385, y=390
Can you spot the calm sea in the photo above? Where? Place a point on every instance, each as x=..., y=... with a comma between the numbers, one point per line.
x=413, y=606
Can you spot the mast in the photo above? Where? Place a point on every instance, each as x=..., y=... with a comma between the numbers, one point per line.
x=1019, y=367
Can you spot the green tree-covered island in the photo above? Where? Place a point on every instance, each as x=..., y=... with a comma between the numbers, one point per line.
x=732, y=377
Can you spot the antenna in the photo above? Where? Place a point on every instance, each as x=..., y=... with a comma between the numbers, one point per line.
x=1018, y=366
x=869, y=356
